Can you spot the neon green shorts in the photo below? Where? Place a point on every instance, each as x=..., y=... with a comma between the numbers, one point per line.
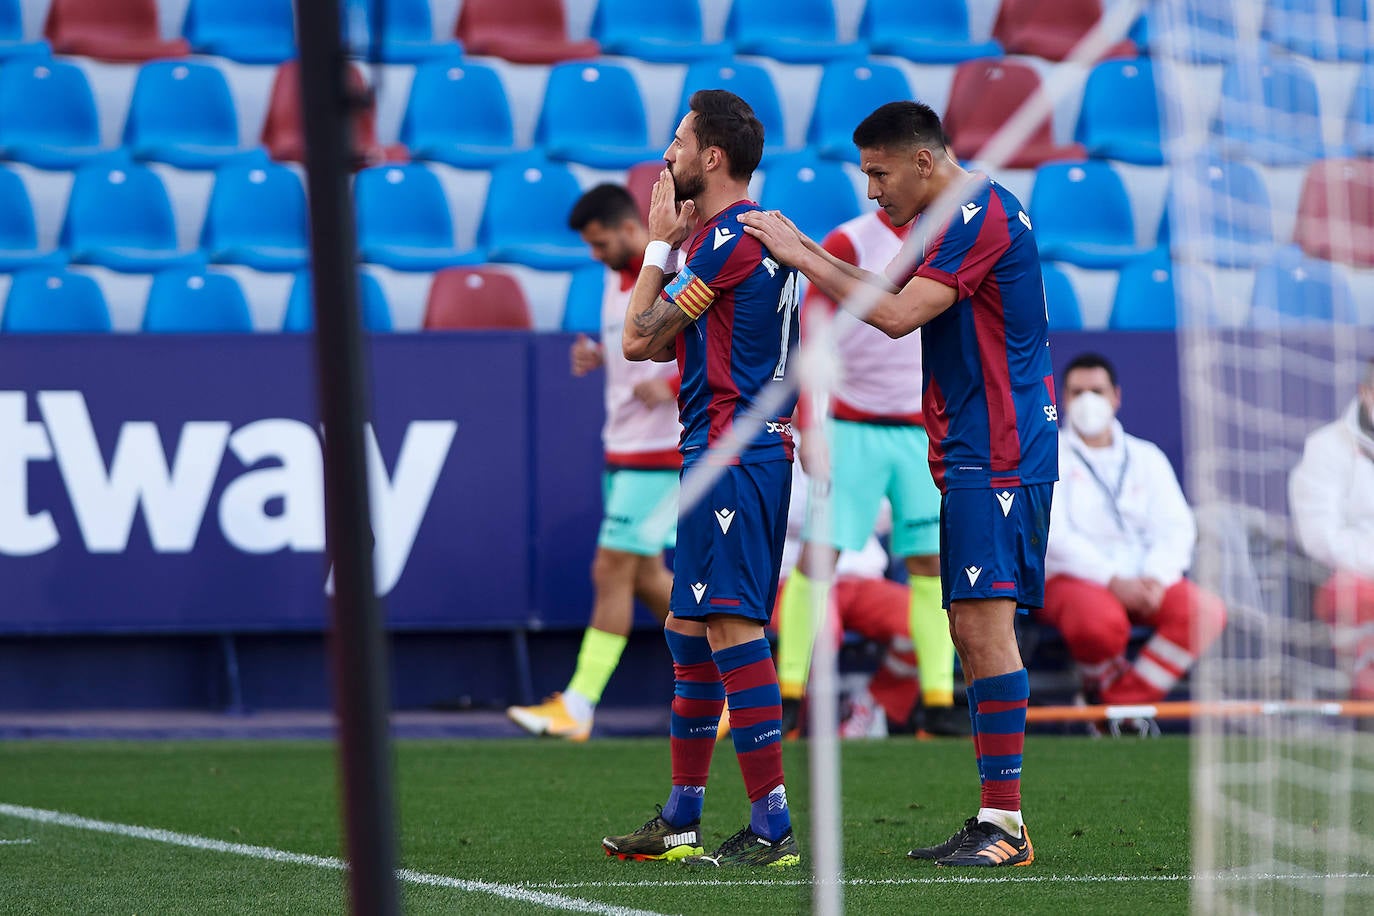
x=869, y=461
x=630, y=498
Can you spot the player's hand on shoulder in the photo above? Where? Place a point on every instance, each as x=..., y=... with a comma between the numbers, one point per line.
x=586, y=356
x=784, y=241
x=667, y=221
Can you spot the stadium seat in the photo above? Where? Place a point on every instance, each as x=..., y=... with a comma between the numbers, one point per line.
x=582, y=310
x=934, y=32
x=459, y=114
x=12, y=42
x=815, y=193
x=1120, y=116
x=283, y=132
x=48, y=116
x=521, y=31
x=1295, y=289
x=404, y=220
x=662, y=33
x=1082, y=215
x=1359, y=116
x=1336, y=212
x=248, y=31
x=1320, y=29
x=406, y=31
x=55, y=302
x=257, y=217
x=639, y=180
x=182, y=114
x=119, y=217
x=1206, y=34
x=1061, y=302
x=1150, y=290
x=1051, y=28
x=750, y=82
x=300, y=314
x=196, y=302
x=1224, y=214
x=114, y=30
x=476, y=298
x=616, y=138
x=1270, y=112
x=18, y=235
x=984, y=95
x=531, y=184
x=792, y=31
x=847, y=88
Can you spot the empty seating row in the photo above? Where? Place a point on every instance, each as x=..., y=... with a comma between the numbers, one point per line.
x=208, y=302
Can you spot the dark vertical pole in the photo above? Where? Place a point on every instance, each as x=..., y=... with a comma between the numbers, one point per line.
x=358, y=645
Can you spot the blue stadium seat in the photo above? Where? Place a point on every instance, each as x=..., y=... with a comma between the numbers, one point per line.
x=55, y=302
x=616, y=138
x=248, y=31
x=526, y=185
x=182, y=114
x=406, y=29
x=119, y=217
x=47, y=114
x=815, y=193
x=404, y=220
x=793, y=31
x=1270, y=112
x=933, y=32
x=1061, y=302
x=582, y=311
x=1224, y=214
x=1295, y=289
x=1150, y=290
x=1207, y=33
x=459, y=114
x=1359, y=117
x=18, y=233
x=12, y=42
x=195, y=302
x=300, y=315
x=257, y=217
x=1082, y=214
x=1120, y=114
x=848, y=91
x=663, y=32
x=1320, y=29
x=750, y=82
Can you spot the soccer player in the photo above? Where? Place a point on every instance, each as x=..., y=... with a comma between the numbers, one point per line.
x=975, y=291
x=642, y=461
x=877, y=445
x=730, y=318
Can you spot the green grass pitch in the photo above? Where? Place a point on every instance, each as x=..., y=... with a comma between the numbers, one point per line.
x=531, y=814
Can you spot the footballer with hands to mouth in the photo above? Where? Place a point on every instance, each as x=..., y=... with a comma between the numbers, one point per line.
x=971, y=281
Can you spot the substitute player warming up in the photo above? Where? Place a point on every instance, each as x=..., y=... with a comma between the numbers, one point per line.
x=975, y=291
x=730, y=318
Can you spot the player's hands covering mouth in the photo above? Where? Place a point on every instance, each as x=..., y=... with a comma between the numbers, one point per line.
x=668, y=222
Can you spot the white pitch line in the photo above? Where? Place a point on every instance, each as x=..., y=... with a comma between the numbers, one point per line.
x=266, y=853
x=986, y=877
x=15, y=842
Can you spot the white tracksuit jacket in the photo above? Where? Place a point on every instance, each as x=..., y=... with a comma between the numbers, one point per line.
x=1331, y=495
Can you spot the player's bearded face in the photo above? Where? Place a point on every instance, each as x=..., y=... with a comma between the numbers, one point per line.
x=689, y=178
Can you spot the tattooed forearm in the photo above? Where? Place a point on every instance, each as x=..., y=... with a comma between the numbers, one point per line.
x=651, y=322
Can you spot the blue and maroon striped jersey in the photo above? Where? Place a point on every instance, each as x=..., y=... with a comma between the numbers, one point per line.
x=744, y=306
x=989, y=399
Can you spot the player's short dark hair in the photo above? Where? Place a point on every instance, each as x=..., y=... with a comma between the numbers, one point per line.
x=607, y=204
x=1090, y=361
x=898, y=125
x=725, y=120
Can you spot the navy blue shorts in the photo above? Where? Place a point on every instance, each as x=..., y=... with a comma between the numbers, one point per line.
x=729, y=545
x=992, y=543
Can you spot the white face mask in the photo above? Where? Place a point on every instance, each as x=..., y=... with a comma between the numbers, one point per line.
x=1091, y=414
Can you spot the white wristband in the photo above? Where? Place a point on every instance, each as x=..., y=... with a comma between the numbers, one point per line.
x=656, y=254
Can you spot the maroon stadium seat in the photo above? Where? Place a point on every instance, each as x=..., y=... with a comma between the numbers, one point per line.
x=640, y=182
x=1051, y=28
x=985, y=94
x=284, y=135
x=523, y=31
x=118, y=30
x=471, y=298
x=1336, y=212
